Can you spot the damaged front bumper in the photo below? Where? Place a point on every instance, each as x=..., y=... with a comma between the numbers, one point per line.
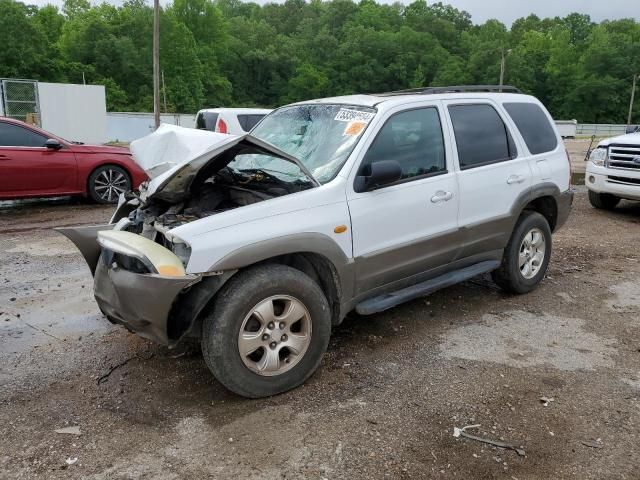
x=142, y=302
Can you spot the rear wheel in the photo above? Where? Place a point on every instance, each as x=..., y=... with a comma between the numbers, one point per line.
x=604, y=201
x=526, y=258
x=266, y=331
x=107, y=182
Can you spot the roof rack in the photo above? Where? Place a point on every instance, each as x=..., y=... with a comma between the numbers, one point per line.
x=453, y=89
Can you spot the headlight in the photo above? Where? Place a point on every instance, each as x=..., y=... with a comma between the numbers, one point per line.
x=149, y=253
x=598, y=156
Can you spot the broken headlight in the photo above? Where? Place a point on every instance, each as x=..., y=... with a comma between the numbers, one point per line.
x=155, y=257
x=179, y=247
x=181, y=250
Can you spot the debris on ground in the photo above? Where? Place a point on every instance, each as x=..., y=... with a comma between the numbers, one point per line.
x=546, y=401
x=105, y=377
x=71, y=461
x=74, y=430
x=461, y=432
x=593, y=444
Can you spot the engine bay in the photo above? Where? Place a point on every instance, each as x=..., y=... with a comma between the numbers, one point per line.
x=225, y=190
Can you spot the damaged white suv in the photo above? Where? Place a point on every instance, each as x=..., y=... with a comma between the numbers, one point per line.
x=258, y=244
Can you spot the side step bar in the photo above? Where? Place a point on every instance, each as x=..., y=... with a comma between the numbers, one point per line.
x=389, y=300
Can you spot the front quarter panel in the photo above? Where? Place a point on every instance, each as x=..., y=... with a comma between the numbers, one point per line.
x=309, y=229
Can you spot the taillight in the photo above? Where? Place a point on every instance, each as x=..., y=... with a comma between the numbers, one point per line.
x=222, y=126
x=569, y=160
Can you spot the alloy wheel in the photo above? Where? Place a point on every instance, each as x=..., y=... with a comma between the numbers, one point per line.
x=531, y=256
x=275, y=335
x=109, y=184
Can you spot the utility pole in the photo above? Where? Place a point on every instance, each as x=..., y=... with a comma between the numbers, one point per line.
x=164, y=93
x=156, y=62
x=502, y=66
x=633, y=94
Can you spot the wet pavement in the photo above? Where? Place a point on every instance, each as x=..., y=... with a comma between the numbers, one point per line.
x=384, y=403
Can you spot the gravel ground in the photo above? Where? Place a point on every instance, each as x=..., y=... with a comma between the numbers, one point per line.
x=384, y=403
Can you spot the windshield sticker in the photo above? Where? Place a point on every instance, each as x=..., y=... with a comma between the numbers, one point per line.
x=346, y=115
x=354, y=128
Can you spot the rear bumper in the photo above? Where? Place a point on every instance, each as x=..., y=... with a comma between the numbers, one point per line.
x=564, y=202
x=140, y=302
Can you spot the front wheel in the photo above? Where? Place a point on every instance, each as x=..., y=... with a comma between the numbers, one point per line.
x=526, y=258
x=604, y=201
x=266, y=331
x=107, y=182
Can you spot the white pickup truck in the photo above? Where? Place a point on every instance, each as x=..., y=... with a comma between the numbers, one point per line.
x=613, y=171
x=258, y=244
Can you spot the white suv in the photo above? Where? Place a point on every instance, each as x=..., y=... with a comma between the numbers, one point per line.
x=613, y=171
x=260, y=243
x=234, y=121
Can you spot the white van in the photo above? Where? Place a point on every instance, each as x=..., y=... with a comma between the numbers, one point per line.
x=235, y=121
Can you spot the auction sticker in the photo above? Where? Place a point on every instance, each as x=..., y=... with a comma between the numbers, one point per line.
x=346, y=115
x=354, y=128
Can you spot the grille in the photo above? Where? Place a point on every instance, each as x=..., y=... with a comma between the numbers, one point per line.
x=624, y=180
x=622, y=156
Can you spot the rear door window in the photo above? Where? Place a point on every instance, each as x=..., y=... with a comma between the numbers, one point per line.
x=17, y=136
x=482, y=137
x=207, y=121
x=248, y=121
x=534, y=126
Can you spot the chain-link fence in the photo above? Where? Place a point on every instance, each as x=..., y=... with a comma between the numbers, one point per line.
x=20, y=100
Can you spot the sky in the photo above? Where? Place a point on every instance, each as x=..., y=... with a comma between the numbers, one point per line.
x=504, y=10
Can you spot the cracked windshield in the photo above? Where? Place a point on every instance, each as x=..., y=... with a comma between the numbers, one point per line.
x=320, y=136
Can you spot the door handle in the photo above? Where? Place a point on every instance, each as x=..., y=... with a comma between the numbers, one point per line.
x=441, y=196
x=4, y=157
x=515, y=179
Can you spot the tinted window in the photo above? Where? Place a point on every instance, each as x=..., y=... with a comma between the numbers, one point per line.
x=414, y=140
x=534, y=126
x=247, y=122
x=481, y=135
x=206, y=121
x=16, y=136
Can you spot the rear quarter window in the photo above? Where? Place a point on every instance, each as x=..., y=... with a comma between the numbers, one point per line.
x=534, y=126
x=206, y=121
x=248, y=121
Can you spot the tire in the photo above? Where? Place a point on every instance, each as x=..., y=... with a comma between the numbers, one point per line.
x=234, y=310
x=107, y=182
x=513, y=276
x=604, y=201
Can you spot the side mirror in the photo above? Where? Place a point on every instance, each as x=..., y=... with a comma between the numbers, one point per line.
x=632, y=128
x=380, y=173
x=53, y=144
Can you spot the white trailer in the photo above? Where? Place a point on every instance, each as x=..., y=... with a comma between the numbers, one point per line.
x=74, y=112
x=567, y=128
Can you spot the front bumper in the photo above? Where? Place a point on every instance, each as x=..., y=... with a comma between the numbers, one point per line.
x=140, y=302
x=618, y=182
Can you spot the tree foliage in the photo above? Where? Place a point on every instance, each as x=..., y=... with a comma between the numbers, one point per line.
x=231, y=53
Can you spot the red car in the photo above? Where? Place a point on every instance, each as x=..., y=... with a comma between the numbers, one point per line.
x=35, y=163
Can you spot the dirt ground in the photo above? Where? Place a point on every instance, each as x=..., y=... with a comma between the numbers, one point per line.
x=385, y=401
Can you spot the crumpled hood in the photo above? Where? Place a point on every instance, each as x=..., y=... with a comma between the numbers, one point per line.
x=171, y=145
x=628, y=139
x=172, y=156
